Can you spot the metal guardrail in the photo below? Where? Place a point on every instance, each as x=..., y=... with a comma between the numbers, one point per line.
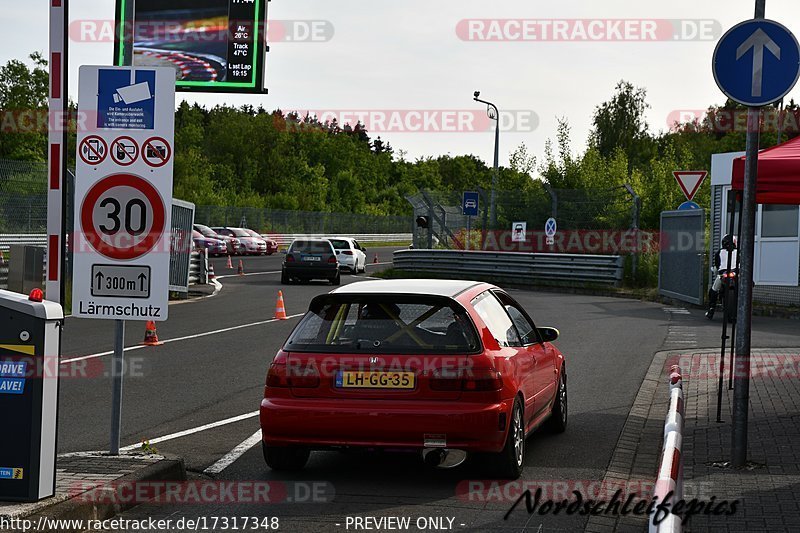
x=513, y=267
x=32, y=239
x=198, y=270
x=285, y=239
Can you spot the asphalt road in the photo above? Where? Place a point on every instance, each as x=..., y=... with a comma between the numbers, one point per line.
x=185, y=384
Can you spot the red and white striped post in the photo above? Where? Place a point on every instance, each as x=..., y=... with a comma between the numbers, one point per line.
x=58, y=122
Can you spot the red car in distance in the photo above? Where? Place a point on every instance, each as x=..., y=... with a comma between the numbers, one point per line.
x=445, y=368
x=232, y=243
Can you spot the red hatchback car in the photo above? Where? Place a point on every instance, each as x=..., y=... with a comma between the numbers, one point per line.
x=423, y=365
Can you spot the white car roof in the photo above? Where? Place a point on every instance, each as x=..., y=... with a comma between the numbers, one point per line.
x=437, y=287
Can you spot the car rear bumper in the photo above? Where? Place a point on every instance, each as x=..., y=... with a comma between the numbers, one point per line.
x=347, y=261
x=256, y=249
x=321, y=423
x=311, y=270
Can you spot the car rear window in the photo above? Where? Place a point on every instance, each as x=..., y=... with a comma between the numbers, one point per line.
x=339, y=244
x=311, y=247
x=396, y=324
x=205, y=230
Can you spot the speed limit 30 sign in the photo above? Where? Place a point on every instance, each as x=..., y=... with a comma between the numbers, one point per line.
x=123, y=201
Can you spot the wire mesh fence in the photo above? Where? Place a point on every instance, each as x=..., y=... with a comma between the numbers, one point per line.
x=576, y=212
x=596, y=209
x=23, y=209
x=23, y=197
x=282, y=221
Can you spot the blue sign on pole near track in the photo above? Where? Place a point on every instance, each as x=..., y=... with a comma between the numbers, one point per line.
x=126, y=100
x=757, y=62
x=469, y=205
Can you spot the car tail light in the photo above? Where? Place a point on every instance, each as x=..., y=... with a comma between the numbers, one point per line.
x=470, y=380
x=482, y=380
x=290, y=259
x=283, y=376
x=444, y=380
x=276, y=377
x=729, y=275
x=332, y=259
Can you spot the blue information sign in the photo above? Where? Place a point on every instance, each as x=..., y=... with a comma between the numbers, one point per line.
x=469, y=205
x=125, y=103
x=757, y=62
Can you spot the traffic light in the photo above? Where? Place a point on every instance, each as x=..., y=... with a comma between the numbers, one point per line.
x=423, y=222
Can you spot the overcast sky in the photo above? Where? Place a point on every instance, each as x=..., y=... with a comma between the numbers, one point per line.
x=410, y=56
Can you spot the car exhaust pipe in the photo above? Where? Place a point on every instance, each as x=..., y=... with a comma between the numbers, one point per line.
x=443, y=457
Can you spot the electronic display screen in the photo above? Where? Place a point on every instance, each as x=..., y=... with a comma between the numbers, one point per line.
x=213, y=45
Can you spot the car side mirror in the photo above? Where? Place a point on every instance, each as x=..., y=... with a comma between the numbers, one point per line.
x=363, y=249
x=548, y=334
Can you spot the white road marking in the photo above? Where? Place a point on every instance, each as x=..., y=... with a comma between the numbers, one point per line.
x=217, y=287
x=192, y=431
x=178, y=339
x=250, y=274
x=278, y=272
x=232, y=456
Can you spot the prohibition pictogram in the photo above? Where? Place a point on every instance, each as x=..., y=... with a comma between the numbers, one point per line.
x=124, y=150
x=93, y=150
x=156, y=152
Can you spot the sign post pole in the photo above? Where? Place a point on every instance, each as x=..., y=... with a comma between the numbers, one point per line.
x=741, y=386
x=117, y=372
x=58, y=122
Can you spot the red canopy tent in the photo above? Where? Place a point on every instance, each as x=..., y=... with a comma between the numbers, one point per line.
x=778, y=174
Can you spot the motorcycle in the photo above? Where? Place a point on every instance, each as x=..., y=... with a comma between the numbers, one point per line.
x=729, y=293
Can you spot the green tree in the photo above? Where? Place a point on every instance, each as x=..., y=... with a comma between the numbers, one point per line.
x=23, y=98
x=620, y=123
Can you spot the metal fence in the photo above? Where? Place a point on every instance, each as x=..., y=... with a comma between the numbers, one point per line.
x=23, y=196
x=307, y=222
x=614, y=208
x=511, y=267
x=284, y=239
x=681, y=272
x=197, y=270
x=181, y=245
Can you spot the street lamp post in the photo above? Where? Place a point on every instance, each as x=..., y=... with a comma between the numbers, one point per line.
x=494, y=114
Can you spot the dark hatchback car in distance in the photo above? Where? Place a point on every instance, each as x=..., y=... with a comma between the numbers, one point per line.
x=308, y=259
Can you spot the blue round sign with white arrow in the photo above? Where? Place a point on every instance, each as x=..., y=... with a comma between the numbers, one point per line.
x=757, y=62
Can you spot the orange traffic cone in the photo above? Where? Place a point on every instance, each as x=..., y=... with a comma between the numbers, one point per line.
x=280, y=308
x=211, y=275
x=229, y=265
x=150, y=335
x=375, y=260
x=241, y=268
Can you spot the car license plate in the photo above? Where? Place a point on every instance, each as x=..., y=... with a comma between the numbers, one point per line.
x=375, y=380
x=311, y=258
